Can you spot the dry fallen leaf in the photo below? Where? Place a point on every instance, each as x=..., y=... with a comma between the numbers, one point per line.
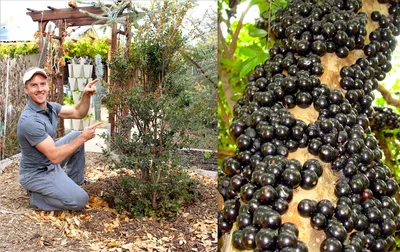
x=113, y=244
x=129, y=246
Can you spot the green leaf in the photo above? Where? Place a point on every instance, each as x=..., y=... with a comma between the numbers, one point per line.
x=254, y=2
x=396, y=86
x=262, y=57
x=247, y=66
x=380, y=101
x=207, y=155
x=258, y=33
x=247, y=51
x=225, y=61
x=264, y=7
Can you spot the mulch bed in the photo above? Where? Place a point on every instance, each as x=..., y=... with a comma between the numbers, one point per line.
x=99, y=227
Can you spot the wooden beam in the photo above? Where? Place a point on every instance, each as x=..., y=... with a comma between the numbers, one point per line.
x=83, y=21
x=32, y=10
x=67, y=13
x=121, y=32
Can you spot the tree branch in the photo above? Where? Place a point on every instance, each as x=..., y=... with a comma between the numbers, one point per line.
x=200, y=68
x=235, y=36
x=227, y=88
x=223, y=153
x=384, y=146
x=389, y=98
x=225, y=116
x=228, y=53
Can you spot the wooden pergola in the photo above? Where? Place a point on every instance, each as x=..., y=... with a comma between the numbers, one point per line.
x=64, y=18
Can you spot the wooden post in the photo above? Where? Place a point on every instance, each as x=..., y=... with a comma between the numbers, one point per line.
x=113, y=86
x=5, y=108
x=60, y=74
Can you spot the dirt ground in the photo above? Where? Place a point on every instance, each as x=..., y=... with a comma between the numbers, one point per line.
x=100, y=228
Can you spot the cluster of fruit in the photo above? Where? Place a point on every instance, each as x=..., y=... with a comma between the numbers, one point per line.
x=384, y=118
x=259, y=180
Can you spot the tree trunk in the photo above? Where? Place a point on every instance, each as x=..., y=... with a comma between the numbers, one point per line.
x=154, y=204
x=227, y=88
x=326, y=183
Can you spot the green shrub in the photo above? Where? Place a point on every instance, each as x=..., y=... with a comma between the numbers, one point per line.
x=147, y=140
x=15, y=49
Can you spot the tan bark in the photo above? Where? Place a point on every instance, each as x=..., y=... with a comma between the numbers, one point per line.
x=389, y=98
x=227, y=89
x=326, y=183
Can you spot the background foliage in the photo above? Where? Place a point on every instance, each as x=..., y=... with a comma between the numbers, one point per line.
x=86, y=47
x=244, y=43
x=15, y=49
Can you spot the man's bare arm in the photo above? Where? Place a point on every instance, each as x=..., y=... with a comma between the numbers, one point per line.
x=56, y=154
x=81, y=109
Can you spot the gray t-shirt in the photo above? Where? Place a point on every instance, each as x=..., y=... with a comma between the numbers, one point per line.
x=35, y=125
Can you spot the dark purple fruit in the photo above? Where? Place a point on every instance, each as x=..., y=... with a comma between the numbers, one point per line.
x=318, y=221
x=249, y=237
x=247, y=191
x=286, y=239
x=237, y=238
x=290, y=228
x=303, y=99
x=336, y=231
x=291, y=178
x=266, y=195
x=243, y=220
x=342, y=212
x=327, y=153
x=309, y=179
x=230, y=166
x=307, y=207
x=266, y=239
x=331, y=245
x=280, y=205
x=325, y=207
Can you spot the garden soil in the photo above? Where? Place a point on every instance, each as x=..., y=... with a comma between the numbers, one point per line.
x=99, y=227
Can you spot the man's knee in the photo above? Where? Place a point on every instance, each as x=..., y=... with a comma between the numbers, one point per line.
x=79, y=201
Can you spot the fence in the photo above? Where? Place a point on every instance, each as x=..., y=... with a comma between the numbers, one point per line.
x=12, y=101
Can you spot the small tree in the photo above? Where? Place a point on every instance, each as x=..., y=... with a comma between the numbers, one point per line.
x=152, y=112
x=148, y=145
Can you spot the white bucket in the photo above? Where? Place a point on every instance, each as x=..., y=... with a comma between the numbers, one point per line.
x=81, y=84
x=78, y=70
x=72, y=83
x=76, y=97
x=76, y=124
x=87, y=71
x=67, y=124
x=70, y=71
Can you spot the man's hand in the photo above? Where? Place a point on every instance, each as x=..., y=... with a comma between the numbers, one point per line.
x=90, y=88
x=90, y=132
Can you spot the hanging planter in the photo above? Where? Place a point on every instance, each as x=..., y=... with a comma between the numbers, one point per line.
x=76, y=95
x=78, y=70
x=87, y=120
x=70, y=71
x=72, y=83
x=68, y=123
x=76, y=124
x=81, y=84
x=87, y=70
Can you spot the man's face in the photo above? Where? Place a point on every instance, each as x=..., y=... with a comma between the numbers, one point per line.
x=37, y=88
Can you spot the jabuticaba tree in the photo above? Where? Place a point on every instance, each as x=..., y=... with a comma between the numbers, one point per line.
x=307, y=174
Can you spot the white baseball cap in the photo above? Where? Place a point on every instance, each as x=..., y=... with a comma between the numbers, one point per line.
x=31, y=72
